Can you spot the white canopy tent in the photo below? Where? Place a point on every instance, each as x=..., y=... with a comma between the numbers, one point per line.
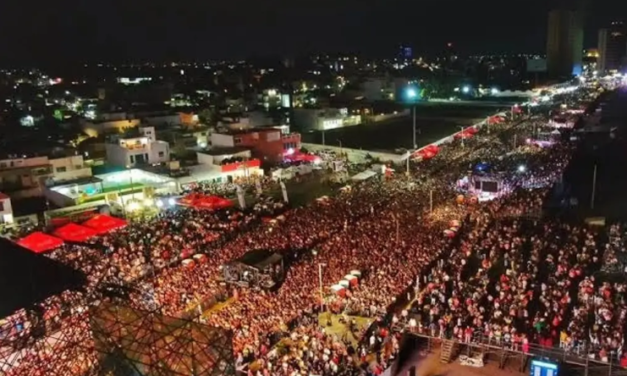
x=364, y=175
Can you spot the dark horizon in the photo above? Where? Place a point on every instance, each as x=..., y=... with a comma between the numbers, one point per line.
x=188, y=30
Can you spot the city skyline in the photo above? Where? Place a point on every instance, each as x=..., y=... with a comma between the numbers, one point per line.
x=239, y=29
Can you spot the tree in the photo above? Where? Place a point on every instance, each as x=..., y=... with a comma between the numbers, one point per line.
x=207, y=116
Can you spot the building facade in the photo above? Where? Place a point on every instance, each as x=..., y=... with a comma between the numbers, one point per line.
x=26, y=177
x=612, y=47
x=141, y=150
x=268, y=144
x=564, y=43
x=6, y=210
x=69, y=168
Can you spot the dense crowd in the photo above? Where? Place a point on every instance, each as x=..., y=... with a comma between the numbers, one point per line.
x=504, y=279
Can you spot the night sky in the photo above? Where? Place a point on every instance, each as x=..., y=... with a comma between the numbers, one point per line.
x=122, y=30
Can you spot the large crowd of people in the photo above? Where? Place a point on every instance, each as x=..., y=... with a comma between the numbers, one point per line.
x=504, y=278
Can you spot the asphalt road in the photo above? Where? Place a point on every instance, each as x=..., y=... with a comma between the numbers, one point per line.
x=610, y=158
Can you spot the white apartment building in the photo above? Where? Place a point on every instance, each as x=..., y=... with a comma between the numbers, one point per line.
x=6, y=211
x=133, y=151
x=26, y=176
x=69, y=168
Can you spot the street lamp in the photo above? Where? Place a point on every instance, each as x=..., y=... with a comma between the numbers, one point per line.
x=412, y=96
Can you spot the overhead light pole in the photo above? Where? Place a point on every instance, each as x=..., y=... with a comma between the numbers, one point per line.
x=412, y=96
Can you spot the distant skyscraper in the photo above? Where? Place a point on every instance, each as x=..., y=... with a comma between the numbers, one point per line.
x=612, y=47
x=405, y=53
x=565, y=42
x=287, y=89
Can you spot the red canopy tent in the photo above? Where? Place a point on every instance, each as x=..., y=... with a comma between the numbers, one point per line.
x=466, y=133
x=430, y=151
x=200, y=201
x=74, y=233
x=40, y=242
x=189, y=200
x=213, y=202
x=427, y=152
x=103, y=223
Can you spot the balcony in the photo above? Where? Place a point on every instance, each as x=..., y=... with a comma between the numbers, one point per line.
x=135, y=146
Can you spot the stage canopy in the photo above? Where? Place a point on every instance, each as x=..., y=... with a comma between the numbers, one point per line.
x=200, y=201
x=75, y=233
x=152, y=344
x=39, y=242
x=27, y=278
x=103, y=223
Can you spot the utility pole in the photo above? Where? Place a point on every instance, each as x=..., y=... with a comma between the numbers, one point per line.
x=320, y=265
x=594, y=187
x=414, y=126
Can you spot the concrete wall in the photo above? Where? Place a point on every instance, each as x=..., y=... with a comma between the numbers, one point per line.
x=384, y=117
x=59, y=199
x=205, y=159
x=223, y=140
x=117, y=155
x=69, y=168
x=159, y=147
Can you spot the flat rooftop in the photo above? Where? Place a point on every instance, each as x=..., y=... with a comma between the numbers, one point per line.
x=79, y=181
x=250, y=130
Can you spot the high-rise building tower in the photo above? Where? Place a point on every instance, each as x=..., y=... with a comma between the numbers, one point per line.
x=405, y=52
x=612, y=47
x=565, y=41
